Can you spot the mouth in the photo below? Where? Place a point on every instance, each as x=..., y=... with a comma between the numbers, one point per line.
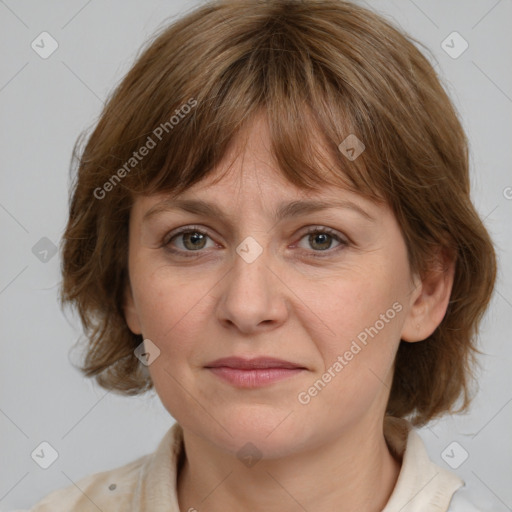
x=253, y=373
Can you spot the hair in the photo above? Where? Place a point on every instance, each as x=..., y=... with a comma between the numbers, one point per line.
x=319, y=71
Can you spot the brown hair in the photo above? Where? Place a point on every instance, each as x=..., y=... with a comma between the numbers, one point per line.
x=323, y=68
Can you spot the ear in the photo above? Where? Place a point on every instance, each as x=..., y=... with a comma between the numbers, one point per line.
x=130, y=313
x=430, y=299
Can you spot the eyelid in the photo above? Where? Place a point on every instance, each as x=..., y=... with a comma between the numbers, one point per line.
x=185, y=229
x=324, y=229
x=310, y=229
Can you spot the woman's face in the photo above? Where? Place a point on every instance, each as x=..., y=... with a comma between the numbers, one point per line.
x=242, y=283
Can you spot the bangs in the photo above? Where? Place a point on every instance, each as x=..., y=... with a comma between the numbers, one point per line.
x=192, y=124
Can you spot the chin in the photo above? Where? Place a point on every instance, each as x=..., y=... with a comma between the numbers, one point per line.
x=265, y=434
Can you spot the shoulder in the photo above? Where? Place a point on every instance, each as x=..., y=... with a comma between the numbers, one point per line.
x=465, y=500
x=134, y=486
x=107, y=490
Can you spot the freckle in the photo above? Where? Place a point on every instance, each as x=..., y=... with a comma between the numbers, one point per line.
x=112, y=486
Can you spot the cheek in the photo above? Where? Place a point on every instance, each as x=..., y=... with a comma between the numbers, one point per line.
x=172, y=305
x=173, y=309
x=358, y=305
x=358, y=358
x=365, y=311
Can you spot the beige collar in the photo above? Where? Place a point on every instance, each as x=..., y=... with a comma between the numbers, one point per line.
x=421, y=485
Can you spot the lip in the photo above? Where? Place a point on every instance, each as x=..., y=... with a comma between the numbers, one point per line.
x=253, y=373
x=259, y=363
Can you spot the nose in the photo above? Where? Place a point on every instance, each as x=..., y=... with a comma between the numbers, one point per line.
x=253, y=298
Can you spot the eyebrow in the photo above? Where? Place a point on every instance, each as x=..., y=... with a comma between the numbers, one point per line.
x=285, y=210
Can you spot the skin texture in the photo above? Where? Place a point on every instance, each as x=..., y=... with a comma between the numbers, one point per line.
x=328, y=454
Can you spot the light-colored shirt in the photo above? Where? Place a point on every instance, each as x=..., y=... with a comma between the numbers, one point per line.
x=148, y=484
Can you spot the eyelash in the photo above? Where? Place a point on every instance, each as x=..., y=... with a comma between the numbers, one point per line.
x=312, y=230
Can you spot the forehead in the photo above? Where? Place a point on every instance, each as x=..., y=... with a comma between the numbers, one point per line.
x=251, y=189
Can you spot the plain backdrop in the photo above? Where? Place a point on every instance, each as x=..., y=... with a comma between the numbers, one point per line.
x=46, y=102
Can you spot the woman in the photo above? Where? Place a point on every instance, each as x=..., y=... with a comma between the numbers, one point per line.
x=271, y=225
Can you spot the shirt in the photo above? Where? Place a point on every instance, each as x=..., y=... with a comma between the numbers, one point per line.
x=149, y=483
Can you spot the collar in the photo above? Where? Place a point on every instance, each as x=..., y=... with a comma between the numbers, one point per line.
x=421, y=484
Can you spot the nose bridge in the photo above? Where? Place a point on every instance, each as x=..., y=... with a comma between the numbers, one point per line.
x=248, y=277
x=250, y=296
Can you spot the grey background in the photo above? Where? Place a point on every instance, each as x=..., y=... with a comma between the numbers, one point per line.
x=46, y=103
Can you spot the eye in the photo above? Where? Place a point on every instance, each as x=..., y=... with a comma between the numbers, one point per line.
x=189, y=239
x=321, y=239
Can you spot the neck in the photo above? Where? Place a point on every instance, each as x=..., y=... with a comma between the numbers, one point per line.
x=353, y=471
